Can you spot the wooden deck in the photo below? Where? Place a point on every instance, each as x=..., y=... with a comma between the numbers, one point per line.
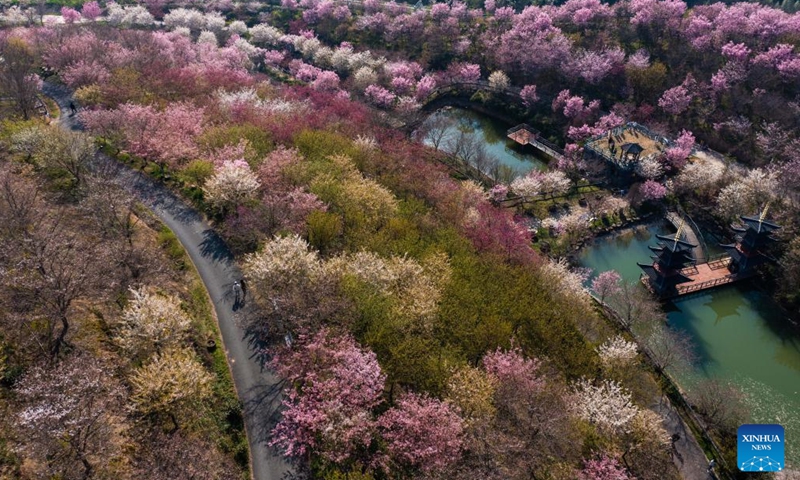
x=704, y=276
x=522, y=136
x=709, y=275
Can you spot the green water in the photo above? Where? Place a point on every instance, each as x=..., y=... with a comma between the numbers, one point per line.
x=491, y=133
x=738, y=335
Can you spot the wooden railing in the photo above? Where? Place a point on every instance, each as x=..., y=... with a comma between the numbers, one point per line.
x=719, y=263
x=537, y=141
x=682, y=290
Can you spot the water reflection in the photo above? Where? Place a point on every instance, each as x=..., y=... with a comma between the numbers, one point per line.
x=458, y=129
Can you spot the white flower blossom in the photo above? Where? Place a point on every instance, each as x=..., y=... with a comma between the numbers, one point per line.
x=566, y=280
x=499, y=80
x=747, y=194
x=238, y=27
x=151, y=322
x=232, y=184
x=605, y=404
x=527, y=186
x=617, y=351
x=266, y=35
x=283, y=261
x=206, y=37
x=649, y=167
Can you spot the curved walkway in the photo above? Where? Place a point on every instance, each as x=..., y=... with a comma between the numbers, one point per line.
x=258, y=389
x=689, y=234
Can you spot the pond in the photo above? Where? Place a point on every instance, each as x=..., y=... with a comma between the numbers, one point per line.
x=450, y=123
x=739, y=334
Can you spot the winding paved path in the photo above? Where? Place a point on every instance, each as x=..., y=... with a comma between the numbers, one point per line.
x=259, y=389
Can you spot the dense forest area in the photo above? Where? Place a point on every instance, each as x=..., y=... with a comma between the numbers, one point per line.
x=419, y=333
x=102, y=317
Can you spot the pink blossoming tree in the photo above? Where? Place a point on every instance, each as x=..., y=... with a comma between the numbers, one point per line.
x=422, y=432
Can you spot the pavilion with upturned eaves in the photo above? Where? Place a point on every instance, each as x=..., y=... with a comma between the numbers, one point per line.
x=672, y=255
x=751, y=240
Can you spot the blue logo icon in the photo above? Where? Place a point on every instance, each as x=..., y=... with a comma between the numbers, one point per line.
x=760, y=448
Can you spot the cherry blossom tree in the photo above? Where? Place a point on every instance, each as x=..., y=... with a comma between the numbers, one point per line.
x=493, y=230
x=233, y=183
x=657, y=13
x=604, y=467
x=499, y=192
x=422, y=432
x=380, y=96
x=467, y=72
x=652, y=190
x=326, y=80
x=617, y=351
x=511, y=370
x=604, y=403
x=70, y=15
x=166, y=136
x=607, y=283
x=335, y=386
x=529, y=95
x=675, y=100
x=678, y=154
x=91, y=11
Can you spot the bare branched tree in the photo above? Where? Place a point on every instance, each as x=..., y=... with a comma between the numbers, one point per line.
x=18, y=75
x=70, y=414
x=721, y=404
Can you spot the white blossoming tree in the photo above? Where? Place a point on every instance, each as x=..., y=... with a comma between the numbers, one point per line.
x=567, y=281
x=748, y=194
x=616, y=351
x=173, y=383
x=527, y=186
x=605, y=404
x=284, y=261
x=364, y=76
x=265, y=35
x=699, y=175
x=151, y=323
x=499, y=80
x=207, y=36
x=649, y=167
x=234, y=183
x=555, y=182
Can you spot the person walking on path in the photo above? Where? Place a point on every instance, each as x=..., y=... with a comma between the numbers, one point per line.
x=72, y=109
x=237, y=294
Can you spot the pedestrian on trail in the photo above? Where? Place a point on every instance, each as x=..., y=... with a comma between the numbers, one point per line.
x=72, y=109
x=237, y=292
x=711, y=465
x=243, y=285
